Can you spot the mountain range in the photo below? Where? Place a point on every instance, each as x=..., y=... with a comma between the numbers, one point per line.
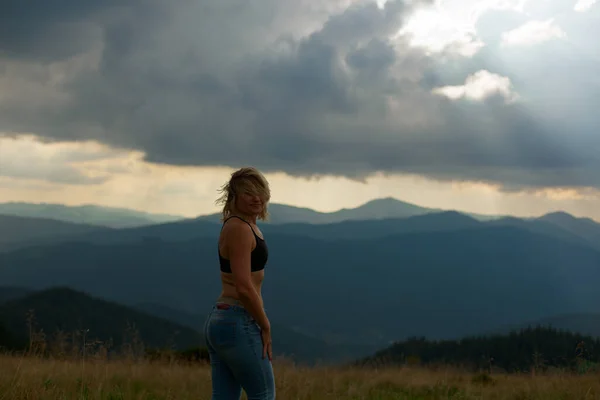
x=339, y=288
x=19, y=232
x=373, y=210
x=279, y=213
x=86, y=214
x=61, y=310
x=24, y=224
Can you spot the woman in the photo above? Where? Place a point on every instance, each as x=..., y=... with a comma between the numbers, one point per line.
x=237, y=331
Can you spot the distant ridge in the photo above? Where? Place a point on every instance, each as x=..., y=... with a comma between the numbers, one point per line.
x=86, y=214
x=14, y=229
x=585, y=228
x=112, y=217
x=377, y=209
x=579, y=231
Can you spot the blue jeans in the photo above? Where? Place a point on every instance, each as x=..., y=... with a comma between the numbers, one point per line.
x=235, y=349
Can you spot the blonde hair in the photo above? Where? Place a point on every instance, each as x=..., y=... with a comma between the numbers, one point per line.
x=246, y=179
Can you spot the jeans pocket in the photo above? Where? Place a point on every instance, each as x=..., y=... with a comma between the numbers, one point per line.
x=223, y=333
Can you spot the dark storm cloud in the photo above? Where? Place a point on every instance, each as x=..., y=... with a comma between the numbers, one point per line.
x=227, y=84
x=47, y=30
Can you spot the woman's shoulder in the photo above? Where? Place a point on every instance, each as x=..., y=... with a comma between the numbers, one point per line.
x=236, y=226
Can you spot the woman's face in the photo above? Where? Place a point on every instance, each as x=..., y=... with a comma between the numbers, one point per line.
x=250, y=203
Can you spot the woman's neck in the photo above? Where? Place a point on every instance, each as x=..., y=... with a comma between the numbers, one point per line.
x=246, y=217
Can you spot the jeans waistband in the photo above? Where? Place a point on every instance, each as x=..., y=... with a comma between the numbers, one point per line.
x=229, y=300
x=229, y=303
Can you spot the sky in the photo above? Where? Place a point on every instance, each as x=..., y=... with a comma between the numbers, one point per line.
x=484, y=106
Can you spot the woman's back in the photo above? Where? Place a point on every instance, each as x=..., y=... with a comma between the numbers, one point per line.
x=233, y=228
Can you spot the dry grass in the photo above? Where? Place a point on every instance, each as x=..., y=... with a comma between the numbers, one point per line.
x=32, y=377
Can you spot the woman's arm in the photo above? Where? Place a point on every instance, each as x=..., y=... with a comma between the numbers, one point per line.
x=239, y=244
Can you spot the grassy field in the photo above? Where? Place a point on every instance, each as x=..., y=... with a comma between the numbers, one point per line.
x=36, y=378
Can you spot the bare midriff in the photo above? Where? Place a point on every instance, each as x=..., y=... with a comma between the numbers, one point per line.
x=230, y=291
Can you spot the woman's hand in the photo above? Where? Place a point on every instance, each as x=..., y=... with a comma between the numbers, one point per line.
x=265, y=334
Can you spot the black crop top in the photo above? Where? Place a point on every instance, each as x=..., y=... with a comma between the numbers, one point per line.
x=258, y=256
